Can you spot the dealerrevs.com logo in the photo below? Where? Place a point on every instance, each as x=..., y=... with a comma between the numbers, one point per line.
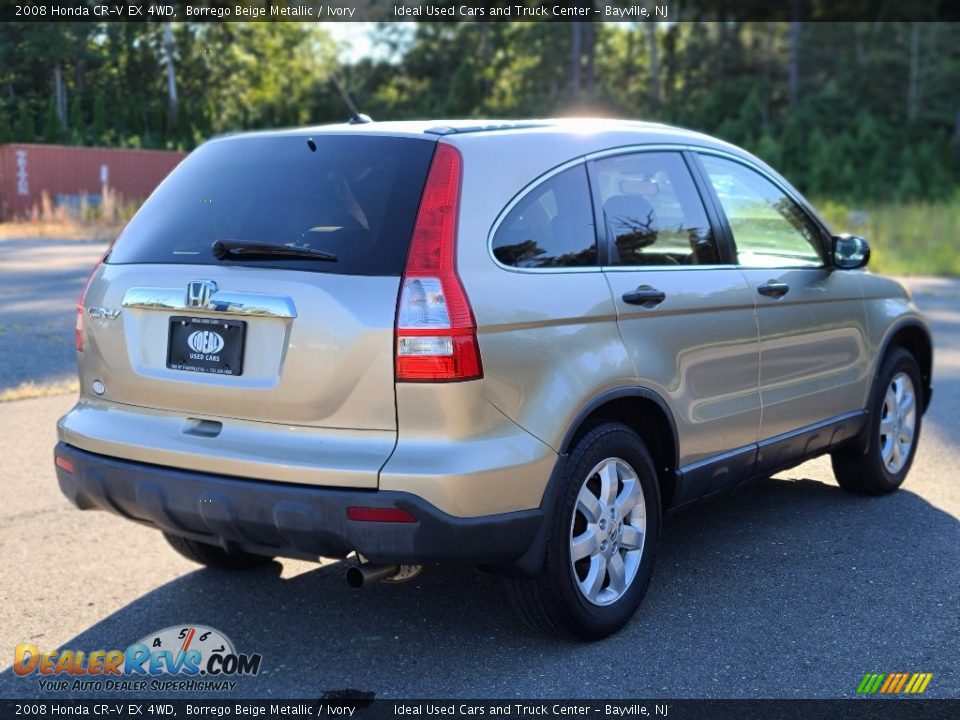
x=182, y=658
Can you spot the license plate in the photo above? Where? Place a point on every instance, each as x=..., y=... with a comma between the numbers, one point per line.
x=206, y=345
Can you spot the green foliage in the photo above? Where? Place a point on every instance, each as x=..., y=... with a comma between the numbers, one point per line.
x=75, y=121
x=6, y=130
x=52, y=127
x=99, y=119
x=913, y=238
x=870, y=121
x=25, y=130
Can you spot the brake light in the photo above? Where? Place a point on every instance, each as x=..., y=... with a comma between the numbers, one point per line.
x=81, y=301
x=436, y=334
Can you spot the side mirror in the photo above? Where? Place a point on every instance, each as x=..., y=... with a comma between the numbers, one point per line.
x=850, y=252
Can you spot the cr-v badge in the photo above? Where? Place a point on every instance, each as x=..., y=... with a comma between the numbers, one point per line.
x=102, y=313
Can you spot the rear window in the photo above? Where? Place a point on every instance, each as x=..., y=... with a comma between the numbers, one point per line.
x=353, y=196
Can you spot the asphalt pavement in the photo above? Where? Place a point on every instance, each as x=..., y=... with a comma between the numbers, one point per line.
x=40, y=281
x=787, y=588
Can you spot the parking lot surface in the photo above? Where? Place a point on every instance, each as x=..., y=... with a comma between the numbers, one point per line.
x=786, y=588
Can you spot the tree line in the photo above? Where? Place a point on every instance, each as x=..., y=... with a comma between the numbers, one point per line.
x=854, y=110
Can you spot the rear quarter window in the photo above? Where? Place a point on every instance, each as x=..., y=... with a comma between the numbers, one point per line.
x=551, y=226
x=353, y=196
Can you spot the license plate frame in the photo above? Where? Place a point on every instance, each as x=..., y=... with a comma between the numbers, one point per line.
x=213, y=346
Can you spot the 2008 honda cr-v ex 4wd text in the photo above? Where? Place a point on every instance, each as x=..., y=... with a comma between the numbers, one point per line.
x=510, y=345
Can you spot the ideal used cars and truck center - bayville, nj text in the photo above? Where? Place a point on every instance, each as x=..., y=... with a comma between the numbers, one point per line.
x=336, y=12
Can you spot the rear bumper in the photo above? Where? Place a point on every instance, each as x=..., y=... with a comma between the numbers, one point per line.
x=289, y=520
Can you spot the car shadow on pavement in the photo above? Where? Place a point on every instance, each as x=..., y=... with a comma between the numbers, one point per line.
x=757, y=594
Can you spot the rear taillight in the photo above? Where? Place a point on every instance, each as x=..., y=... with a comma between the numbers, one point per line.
x=436, y=331
x=81, y=301
x=78, y=333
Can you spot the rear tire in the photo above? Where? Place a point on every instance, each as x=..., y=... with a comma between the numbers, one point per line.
x=213, y=555
x=892, y=431
x=601, y=539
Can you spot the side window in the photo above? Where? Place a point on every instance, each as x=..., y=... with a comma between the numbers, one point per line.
x=652, y=211
x=769, y=229
x=550, y=227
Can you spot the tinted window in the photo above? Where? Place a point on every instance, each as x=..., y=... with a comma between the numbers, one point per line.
x=652, y=211
x=552, y=226
x=769, y=229
x=355, y=196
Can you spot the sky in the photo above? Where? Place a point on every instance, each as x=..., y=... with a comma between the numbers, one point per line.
x=358, y=40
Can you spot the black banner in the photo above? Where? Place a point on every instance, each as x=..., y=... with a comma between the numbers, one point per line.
x=368, y=709
x=476, y=10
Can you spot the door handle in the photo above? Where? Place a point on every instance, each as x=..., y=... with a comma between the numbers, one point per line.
x=773, y=288
x=645, y=295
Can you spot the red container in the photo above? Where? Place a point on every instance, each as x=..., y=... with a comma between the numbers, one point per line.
x=67, y=174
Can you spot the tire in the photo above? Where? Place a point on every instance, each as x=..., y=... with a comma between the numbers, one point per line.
x=582, y=600
x=879, y=465
x=213, y=555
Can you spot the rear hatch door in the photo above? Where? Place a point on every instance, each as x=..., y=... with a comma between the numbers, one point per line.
x=299, y=336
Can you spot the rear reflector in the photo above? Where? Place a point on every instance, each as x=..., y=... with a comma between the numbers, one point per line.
x=371, y=514
x=64, y=464
x=436, y=330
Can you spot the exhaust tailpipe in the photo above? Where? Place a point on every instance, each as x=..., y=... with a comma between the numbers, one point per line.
x=358, y=575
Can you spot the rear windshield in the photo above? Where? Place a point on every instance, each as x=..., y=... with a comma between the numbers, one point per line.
x=353, y=196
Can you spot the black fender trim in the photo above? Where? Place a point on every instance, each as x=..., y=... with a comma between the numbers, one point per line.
x=634, y=391
x=530, y=564
x=902, y=324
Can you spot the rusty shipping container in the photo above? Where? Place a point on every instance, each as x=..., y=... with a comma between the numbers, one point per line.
x=67, y=174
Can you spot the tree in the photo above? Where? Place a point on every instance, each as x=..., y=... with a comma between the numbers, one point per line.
x=25, y=131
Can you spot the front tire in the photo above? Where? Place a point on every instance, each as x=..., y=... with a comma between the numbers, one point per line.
x=213, y=555
x=893, y=431
x=601, y=539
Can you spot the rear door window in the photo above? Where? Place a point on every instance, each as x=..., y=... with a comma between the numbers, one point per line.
x=353, y=196
x=551, y=226
x=652, y=212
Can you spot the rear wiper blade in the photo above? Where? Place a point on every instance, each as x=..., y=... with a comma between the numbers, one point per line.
x=240, y=249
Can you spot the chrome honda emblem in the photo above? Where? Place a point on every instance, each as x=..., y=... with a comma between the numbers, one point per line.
x=199, y=292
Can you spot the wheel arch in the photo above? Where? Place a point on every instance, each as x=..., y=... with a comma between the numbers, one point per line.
x=646, y=413
x=914, y=337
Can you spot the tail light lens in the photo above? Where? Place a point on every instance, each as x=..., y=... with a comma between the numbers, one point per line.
x=78, y=333
x=436, y=331
x=81, y=301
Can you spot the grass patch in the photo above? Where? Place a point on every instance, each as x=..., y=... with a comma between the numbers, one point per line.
x=69, y=230
x=905, y=238
x=100, y=221
x=27, y=390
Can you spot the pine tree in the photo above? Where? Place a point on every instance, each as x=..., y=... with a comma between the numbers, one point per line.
x=77, y=125
x=25, y=131
x=99, y=120
x=6, y=130
x=52, y=129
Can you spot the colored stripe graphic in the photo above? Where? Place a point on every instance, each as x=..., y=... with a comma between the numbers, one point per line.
x=870, y=683
x=894, y=683
x=918, y=683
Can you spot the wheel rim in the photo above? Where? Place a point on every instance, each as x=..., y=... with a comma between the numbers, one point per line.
x=607, y=532
x=898, y=423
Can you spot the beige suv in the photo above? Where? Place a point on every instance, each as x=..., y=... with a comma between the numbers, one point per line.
x=512, y=345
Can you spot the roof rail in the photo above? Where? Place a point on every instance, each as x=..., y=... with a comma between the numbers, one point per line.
x=448, y=130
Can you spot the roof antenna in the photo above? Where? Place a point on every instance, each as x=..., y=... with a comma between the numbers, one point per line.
x=357, y=117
